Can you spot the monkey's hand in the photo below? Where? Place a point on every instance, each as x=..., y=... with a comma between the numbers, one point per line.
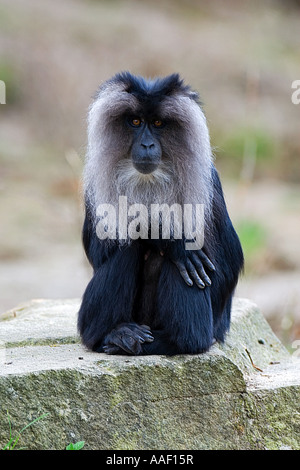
x=193, y=267
x=127, y=338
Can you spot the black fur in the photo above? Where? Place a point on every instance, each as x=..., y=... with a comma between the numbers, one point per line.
x=134, y=285
x=182, y=319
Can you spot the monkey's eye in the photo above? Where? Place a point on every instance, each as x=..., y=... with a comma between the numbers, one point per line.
x=157, y=123
x=136, y=122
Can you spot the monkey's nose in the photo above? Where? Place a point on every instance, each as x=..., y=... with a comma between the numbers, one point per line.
x=147, y=146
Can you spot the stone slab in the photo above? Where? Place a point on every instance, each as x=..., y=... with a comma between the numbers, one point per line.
x=244, y=394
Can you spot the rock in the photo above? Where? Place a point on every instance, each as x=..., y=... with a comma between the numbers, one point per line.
x=244, y=394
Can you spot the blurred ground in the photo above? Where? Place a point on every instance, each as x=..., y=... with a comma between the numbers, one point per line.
x=241, y=56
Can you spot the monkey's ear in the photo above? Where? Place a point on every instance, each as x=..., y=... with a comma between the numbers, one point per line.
x=132, y=83
x=171, y=84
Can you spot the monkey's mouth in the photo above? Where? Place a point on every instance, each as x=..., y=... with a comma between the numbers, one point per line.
x=145, y=167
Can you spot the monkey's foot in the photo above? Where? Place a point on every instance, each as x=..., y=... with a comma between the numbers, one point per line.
x=127, y=338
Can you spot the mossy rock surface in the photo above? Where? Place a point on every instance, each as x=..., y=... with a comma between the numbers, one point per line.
x=244, y=394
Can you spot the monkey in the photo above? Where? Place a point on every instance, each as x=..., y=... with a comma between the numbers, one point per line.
x=154, y=290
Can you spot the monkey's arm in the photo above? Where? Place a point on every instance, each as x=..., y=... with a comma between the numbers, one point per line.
x=97, y=251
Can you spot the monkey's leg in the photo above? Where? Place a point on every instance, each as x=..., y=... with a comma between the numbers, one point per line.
x=128, y=338
x=183, y=322
x=109, y=297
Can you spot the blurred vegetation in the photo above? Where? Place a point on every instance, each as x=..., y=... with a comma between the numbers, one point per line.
x=248, y=152
x=10, y=78
x=253, y=237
